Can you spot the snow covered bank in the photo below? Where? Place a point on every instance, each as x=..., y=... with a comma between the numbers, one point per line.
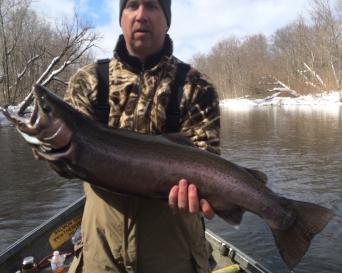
x=326, y=99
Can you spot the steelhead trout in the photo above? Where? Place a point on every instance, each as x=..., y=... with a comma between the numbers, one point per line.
x=149, y=165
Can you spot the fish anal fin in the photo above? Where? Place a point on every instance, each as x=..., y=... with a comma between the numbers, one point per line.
x=232, y=216
x=295, y=241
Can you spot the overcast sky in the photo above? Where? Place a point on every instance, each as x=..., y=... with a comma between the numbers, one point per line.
x=196, y=24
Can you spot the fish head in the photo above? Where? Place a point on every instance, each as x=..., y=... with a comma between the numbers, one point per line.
x=46, y=127
x=46, y=113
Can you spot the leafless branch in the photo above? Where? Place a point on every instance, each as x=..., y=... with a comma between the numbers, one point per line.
x=315, y=75
x=60, y=80
x=78, y=39
x=29, y=62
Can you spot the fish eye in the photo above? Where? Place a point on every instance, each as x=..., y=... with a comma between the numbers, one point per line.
x=46, y=108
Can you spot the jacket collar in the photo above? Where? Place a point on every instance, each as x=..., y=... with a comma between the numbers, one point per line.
x=121, y=53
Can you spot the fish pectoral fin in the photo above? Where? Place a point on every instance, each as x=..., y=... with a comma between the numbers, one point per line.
x=61, y=167
x=295, y=241
x=259, y=175
x=232, y=216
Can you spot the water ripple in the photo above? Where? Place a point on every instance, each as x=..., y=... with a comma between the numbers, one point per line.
x=300, y=151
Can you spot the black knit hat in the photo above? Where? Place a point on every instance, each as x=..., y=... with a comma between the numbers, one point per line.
x=165, y=4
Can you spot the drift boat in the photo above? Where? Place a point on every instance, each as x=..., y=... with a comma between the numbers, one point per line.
x=56, y=233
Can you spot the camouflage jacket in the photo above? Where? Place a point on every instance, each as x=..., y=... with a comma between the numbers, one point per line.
x=138, y=96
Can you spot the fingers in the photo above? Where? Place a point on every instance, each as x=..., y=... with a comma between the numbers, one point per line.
x=193, y=201
x=206, y=209
x=173, y=198
x=36, y=155
x=185, y=197
x=178, y=196
x=183, y=194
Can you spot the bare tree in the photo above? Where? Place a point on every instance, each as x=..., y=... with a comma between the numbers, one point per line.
x=292, y=47
x=302, y=56
x=12, y=14
x=256, y=60
x=235, y=64
x=33, y=51
x=328, y=29
x=76, y=39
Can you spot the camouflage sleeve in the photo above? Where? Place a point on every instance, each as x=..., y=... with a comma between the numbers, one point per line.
x=81, y=91
x=201, y=113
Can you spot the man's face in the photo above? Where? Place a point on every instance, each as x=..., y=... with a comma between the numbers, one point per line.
x=144, y=26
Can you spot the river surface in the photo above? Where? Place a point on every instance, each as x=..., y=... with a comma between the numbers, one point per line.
x=298, y=147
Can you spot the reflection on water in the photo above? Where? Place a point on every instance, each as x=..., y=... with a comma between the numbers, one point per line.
x=299, y=148
x=29, y=192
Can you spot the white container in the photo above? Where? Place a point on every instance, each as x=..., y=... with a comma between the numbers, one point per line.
x=57, y=262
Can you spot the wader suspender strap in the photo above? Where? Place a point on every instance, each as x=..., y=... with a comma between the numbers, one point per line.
x=172, y=110
x=102, y=104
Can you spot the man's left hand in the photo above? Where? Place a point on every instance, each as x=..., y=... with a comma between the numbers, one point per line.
x=185, y=198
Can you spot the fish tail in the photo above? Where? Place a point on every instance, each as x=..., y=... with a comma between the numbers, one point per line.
x=293, y=242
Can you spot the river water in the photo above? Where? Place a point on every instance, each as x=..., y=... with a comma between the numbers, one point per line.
x=298, y=147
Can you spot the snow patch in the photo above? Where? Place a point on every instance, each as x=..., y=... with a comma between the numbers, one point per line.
x=325, y=99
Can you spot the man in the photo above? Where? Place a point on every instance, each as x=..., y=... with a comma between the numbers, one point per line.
x=131, y=234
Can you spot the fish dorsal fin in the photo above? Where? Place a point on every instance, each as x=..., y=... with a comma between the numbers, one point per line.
x=262, y=177
x=179, y=138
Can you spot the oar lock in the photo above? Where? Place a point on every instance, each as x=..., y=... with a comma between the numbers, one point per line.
x=224, y=249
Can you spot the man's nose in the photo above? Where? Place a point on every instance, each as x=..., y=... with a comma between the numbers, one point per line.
x=141, y=13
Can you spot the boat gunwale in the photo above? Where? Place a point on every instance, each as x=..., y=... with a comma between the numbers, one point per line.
x=247, y=263
x=235, y=254
x=46, y=226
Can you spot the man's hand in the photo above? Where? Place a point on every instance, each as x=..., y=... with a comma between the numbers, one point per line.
x=36, y=155
x=185, y=197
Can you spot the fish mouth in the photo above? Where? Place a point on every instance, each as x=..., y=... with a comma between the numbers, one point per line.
x=29, y=124
x=43, y=129
x=24, y=124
